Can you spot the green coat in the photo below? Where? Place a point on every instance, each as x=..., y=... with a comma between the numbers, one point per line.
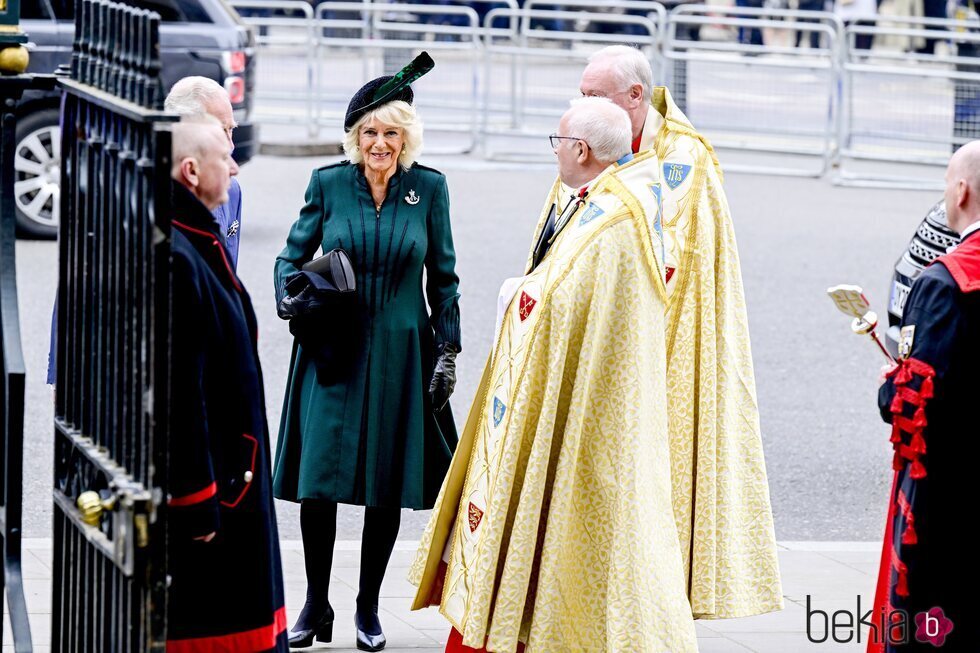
x=372, y=437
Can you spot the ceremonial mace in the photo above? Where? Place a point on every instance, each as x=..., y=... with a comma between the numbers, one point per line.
x=850, y=300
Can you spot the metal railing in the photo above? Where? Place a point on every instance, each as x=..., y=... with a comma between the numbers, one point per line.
x=528, y=103
x=12, y=368
x=111, y=391
x=903, y=114
x=784, y=101
x=775, y=108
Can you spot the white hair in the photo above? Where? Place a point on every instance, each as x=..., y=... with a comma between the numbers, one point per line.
x=397, y=113
x=603, y=125
x=630, y=65
x=190, y=96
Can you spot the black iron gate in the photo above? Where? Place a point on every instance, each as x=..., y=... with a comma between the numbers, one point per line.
x=113, y=331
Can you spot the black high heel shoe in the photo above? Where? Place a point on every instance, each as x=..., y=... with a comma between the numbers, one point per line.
x=302, y=634
x=366, y=642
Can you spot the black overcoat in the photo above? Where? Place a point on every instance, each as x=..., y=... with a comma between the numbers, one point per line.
x=226, y=594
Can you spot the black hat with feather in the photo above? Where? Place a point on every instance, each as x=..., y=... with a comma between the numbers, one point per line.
x=387, y=89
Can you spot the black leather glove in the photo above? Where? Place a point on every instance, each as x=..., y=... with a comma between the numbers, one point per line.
x=443, y=377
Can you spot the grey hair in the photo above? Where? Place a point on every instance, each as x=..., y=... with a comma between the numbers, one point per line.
x=631, y=66
x=603, y=125
x=190, y=96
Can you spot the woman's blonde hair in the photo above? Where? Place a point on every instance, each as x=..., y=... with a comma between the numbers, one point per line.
x=397, y=113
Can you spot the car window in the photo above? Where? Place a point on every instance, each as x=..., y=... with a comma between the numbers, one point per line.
x=34, y=9
x=171, y=11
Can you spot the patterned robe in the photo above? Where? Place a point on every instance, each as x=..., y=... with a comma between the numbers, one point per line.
x=556, y=510
x=719, y=484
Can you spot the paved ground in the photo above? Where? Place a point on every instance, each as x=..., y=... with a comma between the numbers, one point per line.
x=833, y=575
x=826, y=449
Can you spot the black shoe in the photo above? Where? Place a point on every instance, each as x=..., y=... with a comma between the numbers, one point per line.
x=366, y=642
x=302, y=634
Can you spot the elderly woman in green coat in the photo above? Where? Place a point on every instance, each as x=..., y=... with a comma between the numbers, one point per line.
x=373, y=428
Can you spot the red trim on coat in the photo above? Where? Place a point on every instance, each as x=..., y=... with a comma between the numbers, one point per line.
x=255, y=451
x=882, y=597
x=194, y=497
x=455, y=644
x=221, y=250
x=246, y=641
x=963, y=264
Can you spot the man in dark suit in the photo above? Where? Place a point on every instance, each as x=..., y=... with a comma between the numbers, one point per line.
x=928, y=576
x=226, y=588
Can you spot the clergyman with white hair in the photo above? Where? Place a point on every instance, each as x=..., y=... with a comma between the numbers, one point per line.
x=226, y=590
x=198, y=96
x=556, y=514
x=704, y=283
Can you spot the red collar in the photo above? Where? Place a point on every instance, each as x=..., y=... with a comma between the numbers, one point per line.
x=963, y=263
x=189, y=230
x=636, y=143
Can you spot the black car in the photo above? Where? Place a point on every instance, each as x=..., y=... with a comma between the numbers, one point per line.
x=931, y=240
x=197, y=37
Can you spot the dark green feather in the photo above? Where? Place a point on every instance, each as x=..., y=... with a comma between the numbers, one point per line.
x=419, y=66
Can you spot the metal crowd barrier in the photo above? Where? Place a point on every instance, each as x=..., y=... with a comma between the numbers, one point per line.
x=773, y=104
x=286, y=70
x=905, y=113
x=390, y=35
x=528, y=100
x=774, y=108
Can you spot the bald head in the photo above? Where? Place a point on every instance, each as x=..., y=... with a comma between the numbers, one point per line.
x=963, y=187
x=202, y=160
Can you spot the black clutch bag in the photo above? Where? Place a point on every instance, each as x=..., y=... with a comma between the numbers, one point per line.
x=321, y=306
x=335, y=267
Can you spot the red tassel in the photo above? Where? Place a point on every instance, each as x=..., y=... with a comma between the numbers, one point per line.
x=918, y=443
x=919, y=419
x=918, y=470
x=909, y=536
x=896, y=434
x=897, y=404
x=926, y=390
x=903, y=584
x=898, y=463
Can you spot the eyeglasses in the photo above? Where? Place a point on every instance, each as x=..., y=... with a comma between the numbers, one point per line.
x=554, y=139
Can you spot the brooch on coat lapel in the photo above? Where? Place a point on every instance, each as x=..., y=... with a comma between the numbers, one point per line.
x=412, y=198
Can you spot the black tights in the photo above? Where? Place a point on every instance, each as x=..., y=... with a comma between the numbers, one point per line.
x=318, y=522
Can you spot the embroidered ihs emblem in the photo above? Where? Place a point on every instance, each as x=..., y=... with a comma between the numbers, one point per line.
x=498, y=411
x=412, y=198
x=474, y=516
x=526, y=306
x=675, y=174
x=232, y=229
x=590, y=213
x=905, y=341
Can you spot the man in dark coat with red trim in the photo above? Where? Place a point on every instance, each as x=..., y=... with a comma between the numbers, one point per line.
x=929, y=576
x=225, y=591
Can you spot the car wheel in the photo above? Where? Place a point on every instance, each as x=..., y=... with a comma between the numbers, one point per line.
x=37, y=174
